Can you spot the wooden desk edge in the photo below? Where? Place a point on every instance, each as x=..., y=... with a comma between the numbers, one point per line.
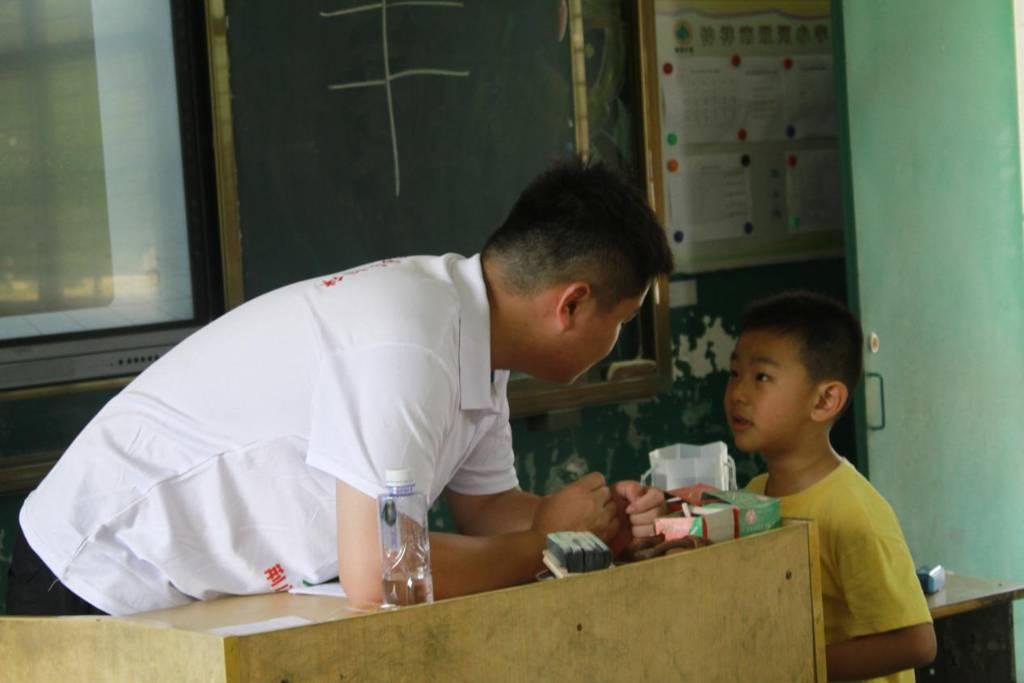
x=966, y=593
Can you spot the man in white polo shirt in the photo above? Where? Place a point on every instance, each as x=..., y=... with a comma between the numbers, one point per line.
x=248, y=458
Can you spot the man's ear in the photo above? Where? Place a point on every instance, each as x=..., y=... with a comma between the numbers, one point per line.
x=569, y=301
x=831, y=398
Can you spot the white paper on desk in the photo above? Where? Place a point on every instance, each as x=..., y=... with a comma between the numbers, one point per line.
x=260, y=626
x=332, y=589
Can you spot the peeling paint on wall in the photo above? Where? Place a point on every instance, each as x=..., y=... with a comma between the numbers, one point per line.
x=707, y=353
x=565, y=471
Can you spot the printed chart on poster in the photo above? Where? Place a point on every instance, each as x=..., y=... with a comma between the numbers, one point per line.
x=749, y=165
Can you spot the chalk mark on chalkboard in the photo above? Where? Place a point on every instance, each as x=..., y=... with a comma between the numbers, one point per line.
x=427, y=72
x=388, y=76
x=367, y=8
x=395, y=76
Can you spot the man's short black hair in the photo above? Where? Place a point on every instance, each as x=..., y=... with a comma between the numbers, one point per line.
x=581, y=221
x=830, y=337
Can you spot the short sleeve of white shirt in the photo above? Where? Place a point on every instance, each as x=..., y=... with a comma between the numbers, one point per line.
x=379, y=407
x=490, y=467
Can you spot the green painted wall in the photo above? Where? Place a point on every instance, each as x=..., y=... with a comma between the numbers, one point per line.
x=938, y=271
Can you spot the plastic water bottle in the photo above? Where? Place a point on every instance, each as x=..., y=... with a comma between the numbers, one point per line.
x=404, y=541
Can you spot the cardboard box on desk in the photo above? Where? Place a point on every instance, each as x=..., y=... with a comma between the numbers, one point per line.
x=714, y=522
x=752, y=512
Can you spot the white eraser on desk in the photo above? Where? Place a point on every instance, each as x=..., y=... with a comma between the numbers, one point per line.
x=932, y=578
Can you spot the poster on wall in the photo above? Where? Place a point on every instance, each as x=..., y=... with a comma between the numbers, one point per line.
x=749, y=164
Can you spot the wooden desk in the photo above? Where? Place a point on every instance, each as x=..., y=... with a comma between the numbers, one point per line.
x=743, y=610
x=974, y=627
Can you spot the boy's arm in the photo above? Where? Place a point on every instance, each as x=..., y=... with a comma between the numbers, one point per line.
x=880, y=654
x=468, y=564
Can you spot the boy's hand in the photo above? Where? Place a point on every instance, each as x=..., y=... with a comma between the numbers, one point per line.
x=636, y=506
x=642, y=505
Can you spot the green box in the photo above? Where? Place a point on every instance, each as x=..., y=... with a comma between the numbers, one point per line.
x=753, y=511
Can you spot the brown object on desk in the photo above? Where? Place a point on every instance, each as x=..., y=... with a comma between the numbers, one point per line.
x=663, y=547
x=974, y=628
x=637, y=550
x=573, y=629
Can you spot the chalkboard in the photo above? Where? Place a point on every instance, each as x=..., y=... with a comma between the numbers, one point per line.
x=339, y=164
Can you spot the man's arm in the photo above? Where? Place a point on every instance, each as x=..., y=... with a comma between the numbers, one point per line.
x=513, y=510
x=468, y=564
x=495, y=514
x=880, y=654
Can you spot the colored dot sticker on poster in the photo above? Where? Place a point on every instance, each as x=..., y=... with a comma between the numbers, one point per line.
x=794, y=221
x=735, y=60
x=745, y=160
x=678, y=235
x=741, y=134
x=673, y=138
x=787, y=63
x=790, y=131
x=673, y=165
x=791, y=160
x=748, y=227
x=667, y=67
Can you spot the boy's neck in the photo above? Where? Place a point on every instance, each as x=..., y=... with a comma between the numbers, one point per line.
x=794, y=471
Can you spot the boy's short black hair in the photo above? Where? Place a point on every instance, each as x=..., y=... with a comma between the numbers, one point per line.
x=581, y=221
x=829, y=335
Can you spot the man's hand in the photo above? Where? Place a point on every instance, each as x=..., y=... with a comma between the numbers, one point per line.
x=584, y=505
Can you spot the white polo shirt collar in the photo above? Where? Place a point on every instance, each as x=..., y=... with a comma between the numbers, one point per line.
x=475, y=378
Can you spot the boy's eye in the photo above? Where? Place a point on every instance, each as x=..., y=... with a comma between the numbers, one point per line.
x=762, y=377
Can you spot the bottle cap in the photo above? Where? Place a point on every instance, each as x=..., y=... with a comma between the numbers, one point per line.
x=398, y=477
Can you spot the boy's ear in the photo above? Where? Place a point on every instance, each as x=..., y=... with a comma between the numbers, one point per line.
x=569, y=300
x=831, y=397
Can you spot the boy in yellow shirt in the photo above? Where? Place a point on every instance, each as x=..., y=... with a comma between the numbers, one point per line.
x=791, y=376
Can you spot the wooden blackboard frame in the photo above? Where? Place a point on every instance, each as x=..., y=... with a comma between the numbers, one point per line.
x=526, y=395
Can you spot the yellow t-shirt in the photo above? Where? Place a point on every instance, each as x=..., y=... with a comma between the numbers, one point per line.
x=868, y=581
